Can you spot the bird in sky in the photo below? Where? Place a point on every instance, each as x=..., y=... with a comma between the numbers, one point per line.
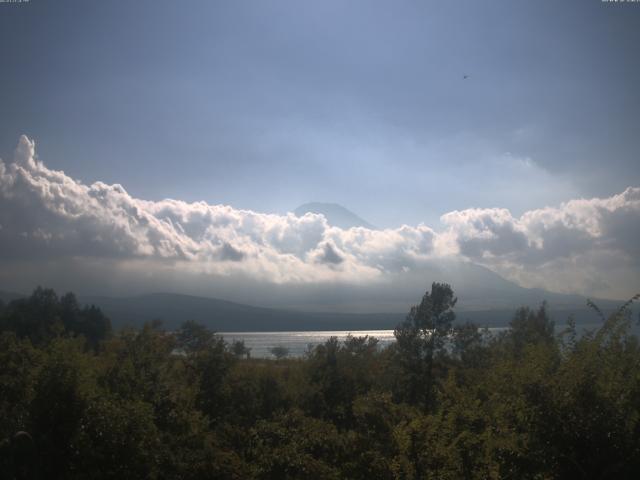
x=464, y=77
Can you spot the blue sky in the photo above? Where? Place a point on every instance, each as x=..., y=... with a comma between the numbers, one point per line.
x=266, y=105
x=461, y=120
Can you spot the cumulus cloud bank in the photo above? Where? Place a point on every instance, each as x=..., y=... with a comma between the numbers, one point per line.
x=581, y=245
x=45, y=214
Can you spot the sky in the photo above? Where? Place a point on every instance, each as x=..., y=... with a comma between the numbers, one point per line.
x=501, y=132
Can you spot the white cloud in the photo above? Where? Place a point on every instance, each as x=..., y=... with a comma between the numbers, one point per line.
x=566, y=248
x=580, y=245
x=49, y=214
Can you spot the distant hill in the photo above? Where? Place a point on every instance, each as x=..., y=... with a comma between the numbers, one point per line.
x=7, y=297
x=221, y=315
x=484, y=298
x=336, y=215
x=479, y=288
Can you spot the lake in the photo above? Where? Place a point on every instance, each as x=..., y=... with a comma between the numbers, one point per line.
x=299, y=342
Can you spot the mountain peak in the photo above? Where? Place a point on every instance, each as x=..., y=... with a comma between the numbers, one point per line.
x=336, y=215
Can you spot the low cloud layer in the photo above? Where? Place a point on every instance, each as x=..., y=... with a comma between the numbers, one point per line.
x=585, y=246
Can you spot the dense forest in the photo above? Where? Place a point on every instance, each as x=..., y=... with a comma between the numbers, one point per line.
x=445, y=401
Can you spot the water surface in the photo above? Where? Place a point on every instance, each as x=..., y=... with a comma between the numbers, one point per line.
x=300, y=342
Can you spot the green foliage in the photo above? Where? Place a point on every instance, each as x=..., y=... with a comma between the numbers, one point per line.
x=338, y=374
x=43, y=316
x=240, y=350
x=62, y=388
x=193, y=337
x=20, y=365
x=446, y=401
x=294, y=446
x=279, y=352
x=420, y=339
x=531, y=327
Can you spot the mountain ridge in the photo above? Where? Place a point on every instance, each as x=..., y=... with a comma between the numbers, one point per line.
x=224, y=316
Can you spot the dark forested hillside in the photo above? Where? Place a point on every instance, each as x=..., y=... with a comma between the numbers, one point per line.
x=221, y=315
x=446, y=400
x=224, y=316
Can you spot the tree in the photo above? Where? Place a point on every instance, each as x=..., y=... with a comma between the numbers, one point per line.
x=36, y=317
x=421, y=337
x=209, y=361
x=240, y=350
x=279, y=352
x=338, y=373
x=20, y=364
x=467, y=344
x=193, y=337
x=61, y=391
x=43, y=316
x=531, y=327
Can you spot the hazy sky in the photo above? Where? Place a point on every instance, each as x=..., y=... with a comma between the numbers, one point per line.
x=264, y=105
x=269, y=104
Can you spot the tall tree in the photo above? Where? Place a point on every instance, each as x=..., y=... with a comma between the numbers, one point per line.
x=421, y=337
